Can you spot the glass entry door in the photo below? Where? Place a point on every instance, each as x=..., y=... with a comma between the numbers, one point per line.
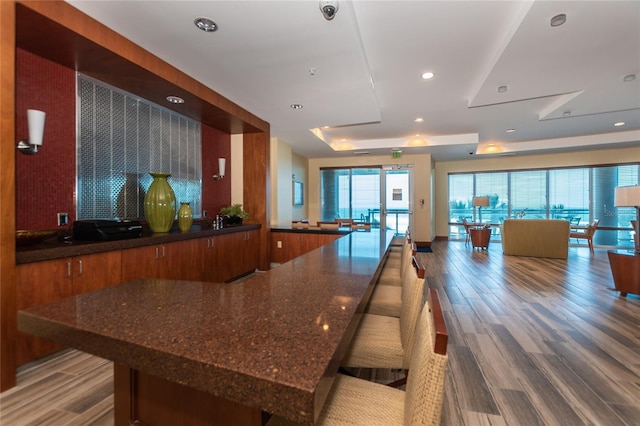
x=378, y=195
x=395, y=210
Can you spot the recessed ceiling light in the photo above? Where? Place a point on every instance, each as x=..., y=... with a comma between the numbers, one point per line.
x=502, y=89
x=558, y=20
x=175, y=99
x=419, y=120
x=629, y=77
x=296, y=106
x=427, y=75
x=511, y=130
x=205, y=24
x=619, y=123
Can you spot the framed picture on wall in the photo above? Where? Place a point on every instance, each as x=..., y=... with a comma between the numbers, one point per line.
x=298, y=193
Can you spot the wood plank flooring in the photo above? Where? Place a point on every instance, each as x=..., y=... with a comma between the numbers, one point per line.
x=531, y=342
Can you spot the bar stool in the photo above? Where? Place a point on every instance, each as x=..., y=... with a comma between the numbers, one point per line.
x=353, y=401
x=386, y=342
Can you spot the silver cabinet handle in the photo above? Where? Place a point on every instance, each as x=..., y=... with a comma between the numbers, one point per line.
x=68, y=269
x=79, y=267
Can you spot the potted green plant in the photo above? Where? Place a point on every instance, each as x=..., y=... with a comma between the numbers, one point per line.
x=233, y=214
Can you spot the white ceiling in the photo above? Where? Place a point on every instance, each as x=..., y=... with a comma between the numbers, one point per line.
x=368, y=60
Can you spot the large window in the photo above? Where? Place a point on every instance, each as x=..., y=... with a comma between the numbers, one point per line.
x=578, y=195
x=349, y=193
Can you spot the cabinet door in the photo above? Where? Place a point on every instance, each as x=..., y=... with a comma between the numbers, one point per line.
x=250, y=251
x=237, y=254
x=181, y=260
x=209, y=263
x=96, y=271
x=38, y=283
x=142, y=262
x=229, y=260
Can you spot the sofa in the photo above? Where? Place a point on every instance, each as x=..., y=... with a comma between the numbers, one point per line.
x=536, y=238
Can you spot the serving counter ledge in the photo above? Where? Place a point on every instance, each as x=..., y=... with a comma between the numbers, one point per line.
x=55, y=249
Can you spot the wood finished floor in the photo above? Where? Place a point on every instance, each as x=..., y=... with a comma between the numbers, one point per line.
x=531, y=342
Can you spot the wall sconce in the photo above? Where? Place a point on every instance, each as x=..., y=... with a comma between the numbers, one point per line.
x=35, y=120
x=221, y=166
x=629, y=196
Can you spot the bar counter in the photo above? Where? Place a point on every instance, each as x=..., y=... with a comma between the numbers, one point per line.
x=272, y=342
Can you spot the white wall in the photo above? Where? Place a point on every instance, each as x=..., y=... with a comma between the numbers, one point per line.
x=584, y=158
x=300, y=168
x=281, y=187
x=237, y=169
x=421, y=231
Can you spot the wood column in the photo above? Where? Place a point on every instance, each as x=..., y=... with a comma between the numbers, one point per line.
x=256, y=194
x=7, y=196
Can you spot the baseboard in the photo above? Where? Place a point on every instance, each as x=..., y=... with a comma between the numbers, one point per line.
x=422, y=243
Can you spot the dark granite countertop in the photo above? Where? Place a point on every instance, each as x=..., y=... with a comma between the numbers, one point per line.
x=273, y=341
x=57, y=249
x=312, y=230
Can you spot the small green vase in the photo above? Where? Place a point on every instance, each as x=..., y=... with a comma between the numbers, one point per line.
x=160, y=204
x=185, y=217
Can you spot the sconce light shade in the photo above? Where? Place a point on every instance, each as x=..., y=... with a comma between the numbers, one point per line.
x=35, y=121
x=627, y=196
x=222, y=163
x=480, y=201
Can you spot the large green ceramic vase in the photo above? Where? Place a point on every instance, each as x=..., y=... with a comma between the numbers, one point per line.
x=160, y=204
x=185, y=217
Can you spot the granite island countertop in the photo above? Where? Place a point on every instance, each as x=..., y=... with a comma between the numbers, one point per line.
x=273, y=341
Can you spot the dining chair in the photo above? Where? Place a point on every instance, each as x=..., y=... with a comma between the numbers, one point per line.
x=329, y=225
x=467, y=236
x=343, y=223
x=384, y=342
x=588, y=233
x=354, y=401
x=298, y=224
x=361, y=226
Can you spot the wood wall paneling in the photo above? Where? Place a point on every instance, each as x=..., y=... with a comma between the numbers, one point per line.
x=256, y=194
x=7, y=197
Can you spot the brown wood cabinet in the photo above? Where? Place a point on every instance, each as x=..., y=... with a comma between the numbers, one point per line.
x=175, y=260
x=43, y=282
x=238, y=254
x=289, y=245
x=206, y=256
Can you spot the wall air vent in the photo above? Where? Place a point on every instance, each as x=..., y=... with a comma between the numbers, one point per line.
x=360, y=152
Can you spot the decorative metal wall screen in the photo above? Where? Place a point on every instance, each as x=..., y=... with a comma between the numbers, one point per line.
x=121, y=138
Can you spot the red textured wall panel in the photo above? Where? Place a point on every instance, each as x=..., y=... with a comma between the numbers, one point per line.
x=215, y=193
x=46, y=181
